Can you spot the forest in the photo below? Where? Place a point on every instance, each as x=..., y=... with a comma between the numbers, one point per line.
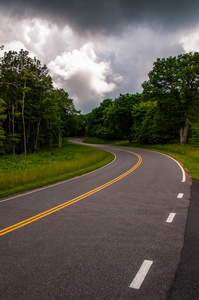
x=167, y=111
x=34, y=114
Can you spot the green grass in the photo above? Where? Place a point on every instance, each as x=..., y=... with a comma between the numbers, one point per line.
x=20, y=173
x=188, y=155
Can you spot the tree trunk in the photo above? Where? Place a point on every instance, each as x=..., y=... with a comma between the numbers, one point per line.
x=184, y=133
x=13, y=130
x=37, y=137
x=23, y=120
x=28, y=133
x=60, y=140
x=51, y=138
x=51, y=141
x=9, y=130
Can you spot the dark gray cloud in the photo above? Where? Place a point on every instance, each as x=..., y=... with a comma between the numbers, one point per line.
x=99, y=49
x=108, y=16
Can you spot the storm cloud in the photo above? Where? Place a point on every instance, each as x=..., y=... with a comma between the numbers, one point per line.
x=108, y=16
x=98, y=49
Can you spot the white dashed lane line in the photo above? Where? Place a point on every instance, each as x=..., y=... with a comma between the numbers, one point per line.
x=180, y=195
x=146, y=265
x=170, y=217
x=141, y=274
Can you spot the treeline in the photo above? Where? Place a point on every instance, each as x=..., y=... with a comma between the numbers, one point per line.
x=33, y=113
x=166, y=112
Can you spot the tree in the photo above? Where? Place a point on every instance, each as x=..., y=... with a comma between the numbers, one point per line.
x=118, y=117
x=174, y=84
x=149, y=125
x=36, y=113
x=113, y=119
x=194, y=139
x=95, y=119
x=25, y=89
x=65, y=109
x=24, y=83
x=8, y=91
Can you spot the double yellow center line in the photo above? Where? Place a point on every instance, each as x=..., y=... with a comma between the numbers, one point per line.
x=61, y=206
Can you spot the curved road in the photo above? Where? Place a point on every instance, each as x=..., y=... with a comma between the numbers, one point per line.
x=115, y=233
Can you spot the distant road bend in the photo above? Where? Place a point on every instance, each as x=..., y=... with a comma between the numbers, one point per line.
x=115, y=233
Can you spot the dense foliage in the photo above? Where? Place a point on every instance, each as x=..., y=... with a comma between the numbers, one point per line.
x=174, y=84
x=32, y=112
x=113, y=119
x=163, y=113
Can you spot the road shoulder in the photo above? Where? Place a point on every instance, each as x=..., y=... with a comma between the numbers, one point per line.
x=186, y=284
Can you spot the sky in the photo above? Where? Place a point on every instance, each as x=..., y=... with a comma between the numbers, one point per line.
x=98, y=49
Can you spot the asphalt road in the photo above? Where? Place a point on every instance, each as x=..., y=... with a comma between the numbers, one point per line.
x=115, y=233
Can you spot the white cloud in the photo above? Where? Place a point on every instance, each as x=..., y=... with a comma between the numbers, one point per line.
x=190, y=41
x=84, y=64
x=36, y=32
x=14, y=45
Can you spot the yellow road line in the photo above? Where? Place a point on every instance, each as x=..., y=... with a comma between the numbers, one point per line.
x=63, y=205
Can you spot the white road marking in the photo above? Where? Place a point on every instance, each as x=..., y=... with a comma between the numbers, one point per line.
x=180, y=195
x=170, y=217
x=141, y=274
x=182, y=170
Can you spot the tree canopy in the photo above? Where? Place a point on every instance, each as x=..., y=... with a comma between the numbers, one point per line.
x=32, y=112
x=163, y=113
x=174, y=84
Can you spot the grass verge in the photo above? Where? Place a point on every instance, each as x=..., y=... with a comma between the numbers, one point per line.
x=20, y=173
x=188, y=155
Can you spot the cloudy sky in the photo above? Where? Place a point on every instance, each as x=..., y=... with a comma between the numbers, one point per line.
x=99, y=49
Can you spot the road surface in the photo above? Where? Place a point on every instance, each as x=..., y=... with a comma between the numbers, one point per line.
x=115, y=233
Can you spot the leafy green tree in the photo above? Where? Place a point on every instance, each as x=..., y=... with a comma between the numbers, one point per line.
x=41, y=89
x=66, y=113
x=194, y=139
x=149, y=126
x=94, y=125
x=78, y=125
x=37, y=114
x=113, y=119
x=8, y=91
x=118, y=117
x=174, y=84
x=23, y=81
